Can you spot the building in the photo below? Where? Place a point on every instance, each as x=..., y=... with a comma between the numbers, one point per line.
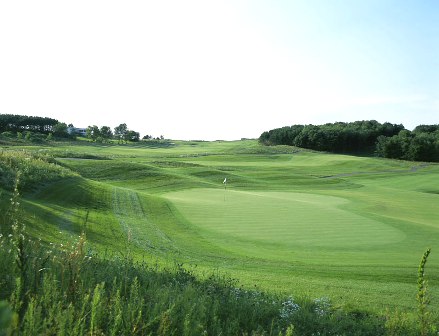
x=77, y=131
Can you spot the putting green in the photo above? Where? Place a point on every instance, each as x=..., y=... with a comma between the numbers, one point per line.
x=283, y=219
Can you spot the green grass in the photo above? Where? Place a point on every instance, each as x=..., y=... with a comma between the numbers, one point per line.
x=69, y=292
x=286, y=220
x=294, y=222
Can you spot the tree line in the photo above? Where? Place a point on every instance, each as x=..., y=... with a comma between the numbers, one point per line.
x=30, y=128
x=422, y=144
x=20, y=123
x=120, y=133
x=39, y=129
x=104, y=133
x=367, y=136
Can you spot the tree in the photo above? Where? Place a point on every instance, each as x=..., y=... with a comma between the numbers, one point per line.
x=120, y=132
x=93, y=132
x=414, y=146
x=426, y=129
x=423, y=147
x=132, y=136
x=106, y=133
x=60, y=130
x=393, y=147
x=27, y=136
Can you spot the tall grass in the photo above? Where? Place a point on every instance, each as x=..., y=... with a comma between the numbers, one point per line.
x=120, y=297
x=34, y=168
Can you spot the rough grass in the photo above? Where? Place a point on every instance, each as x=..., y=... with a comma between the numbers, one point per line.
x=67, y=291
x=35, y=168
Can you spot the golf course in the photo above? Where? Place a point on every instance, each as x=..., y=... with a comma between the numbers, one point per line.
x=278, y=219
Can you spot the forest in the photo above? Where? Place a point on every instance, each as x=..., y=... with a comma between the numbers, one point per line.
x=19, y=123
x=361, y=137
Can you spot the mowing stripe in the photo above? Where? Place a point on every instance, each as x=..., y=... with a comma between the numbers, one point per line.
x=134, y=222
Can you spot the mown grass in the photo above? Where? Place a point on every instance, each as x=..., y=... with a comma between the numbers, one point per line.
x=170, y=201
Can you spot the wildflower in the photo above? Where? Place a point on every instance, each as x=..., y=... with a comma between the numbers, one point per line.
x=322, y=306
x=288, y=308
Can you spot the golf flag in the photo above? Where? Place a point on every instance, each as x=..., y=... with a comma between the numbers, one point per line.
x=225, y=181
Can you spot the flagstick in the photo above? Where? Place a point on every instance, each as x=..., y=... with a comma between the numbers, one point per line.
x=225, y=188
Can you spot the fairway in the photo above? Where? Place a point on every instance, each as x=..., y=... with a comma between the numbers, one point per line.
x=284, y=219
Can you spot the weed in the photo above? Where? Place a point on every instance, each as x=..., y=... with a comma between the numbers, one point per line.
x=425, y=325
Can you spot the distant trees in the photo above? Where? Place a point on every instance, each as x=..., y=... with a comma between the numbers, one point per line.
x=104, y=134
x=37, y=129
x=21, y=123
x=132, y=136
x=420, y=145
x=120, y=132
x=358, y=136
x=96, y=134
x=150, y=137
x=92, y=132
x=367, y=136
x=60, y=130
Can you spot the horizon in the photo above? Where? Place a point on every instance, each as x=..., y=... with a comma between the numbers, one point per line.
x=194, y=139
x=230, y=70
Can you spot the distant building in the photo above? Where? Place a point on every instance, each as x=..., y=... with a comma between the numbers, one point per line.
x=77, y=131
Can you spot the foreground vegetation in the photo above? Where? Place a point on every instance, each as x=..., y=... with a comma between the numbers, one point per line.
x=165, y=241
x=66, y=291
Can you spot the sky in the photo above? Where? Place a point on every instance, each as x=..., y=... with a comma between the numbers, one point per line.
x=220, y=70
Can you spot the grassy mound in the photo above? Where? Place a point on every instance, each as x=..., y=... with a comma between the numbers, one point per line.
x=34, y=168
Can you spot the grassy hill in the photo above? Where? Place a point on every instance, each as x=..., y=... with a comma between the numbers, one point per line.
x=290, y=222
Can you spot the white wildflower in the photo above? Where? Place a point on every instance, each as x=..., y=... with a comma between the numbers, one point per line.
x=288, y=309
x=322, y=306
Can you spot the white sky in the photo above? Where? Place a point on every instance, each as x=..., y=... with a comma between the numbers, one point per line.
x=220, y=69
